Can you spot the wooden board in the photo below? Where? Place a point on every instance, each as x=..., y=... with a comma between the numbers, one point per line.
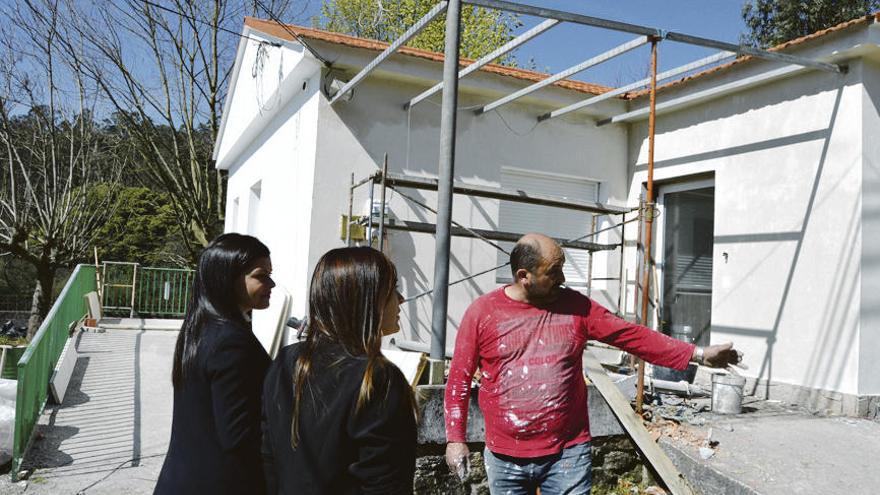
x=63, y=371
x=94, y=305
x=412, y=364
x=632, y=423
x=268, y=324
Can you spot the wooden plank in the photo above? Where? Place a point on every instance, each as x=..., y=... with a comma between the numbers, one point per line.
x=63, y=371
x=632, y=423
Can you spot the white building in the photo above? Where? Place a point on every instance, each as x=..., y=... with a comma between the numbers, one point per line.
x=769, y=190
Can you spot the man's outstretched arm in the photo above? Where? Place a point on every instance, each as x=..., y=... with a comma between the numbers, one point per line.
x=654, y=347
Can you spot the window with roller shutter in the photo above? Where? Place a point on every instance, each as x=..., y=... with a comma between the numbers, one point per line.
x=555, y=222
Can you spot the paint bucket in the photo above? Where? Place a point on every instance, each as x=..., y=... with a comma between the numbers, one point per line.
x=683, y=333
x=727, y=393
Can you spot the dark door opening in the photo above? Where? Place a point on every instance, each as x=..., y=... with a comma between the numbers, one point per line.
x=688, y=232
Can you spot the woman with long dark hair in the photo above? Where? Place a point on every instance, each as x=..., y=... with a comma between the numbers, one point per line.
x=339, y=418
x=218, y=373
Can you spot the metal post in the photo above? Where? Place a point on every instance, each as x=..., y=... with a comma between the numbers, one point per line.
x=382, y=204
x=444, y=192
x=649, y=218
x=370, y=212
x=590, y=261
x=134, y=278
x=350, y=211
x=622, y=288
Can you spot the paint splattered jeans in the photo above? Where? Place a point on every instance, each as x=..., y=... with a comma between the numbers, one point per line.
x=566, y=473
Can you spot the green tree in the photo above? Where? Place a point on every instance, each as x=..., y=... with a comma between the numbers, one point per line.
x=482, y=30
x=771, y=22
x=142, y=229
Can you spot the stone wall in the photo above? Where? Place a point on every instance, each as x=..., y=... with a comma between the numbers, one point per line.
x=615, y=462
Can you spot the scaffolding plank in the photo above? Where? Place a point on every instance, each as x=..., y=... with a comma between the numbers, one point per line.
x=393, y=47
x=562, y=15
x=755, y=52
x=708, y=93
x=636, y=85
x=494, y=235
x=428, y=184
x=632, y=423
x=503, y=49
x=598, y=59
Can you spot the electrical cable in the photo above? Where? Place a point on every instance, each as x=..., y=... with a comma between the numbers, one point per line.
x=295, y=36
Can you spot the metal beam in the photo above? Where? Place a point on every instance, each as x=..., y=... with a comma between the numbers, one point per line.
x=755, y=52
x=562, y=15
x=638, y=84
x=494, y=235
x=503, y=49
x=708, y=93
x=598, y=59
x=442, y=241
x=519, y=196
x=393, y=47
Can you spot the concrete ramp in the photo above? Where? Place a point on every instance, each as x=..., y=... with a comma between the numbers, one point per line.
x=111, y=432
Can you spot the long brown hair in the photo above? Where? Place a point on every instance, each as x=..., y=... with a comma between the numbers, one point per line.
x=347, y=296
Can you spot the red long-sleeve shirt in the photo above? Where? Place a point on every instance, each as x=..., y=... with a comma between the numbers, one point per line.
x=532, y=391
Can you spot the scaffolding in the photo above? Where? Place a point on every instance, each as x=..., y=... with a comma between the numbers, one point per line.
x=377, y=227
x=446, y=187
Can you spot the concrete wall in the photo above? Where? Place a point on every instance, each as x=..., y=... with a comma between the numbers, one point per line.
x=787, y=160
x=869, y=336
x=355, y=135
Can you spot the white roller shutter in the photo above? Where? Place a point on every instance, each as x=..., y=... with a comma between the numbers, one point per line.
x=555, y=222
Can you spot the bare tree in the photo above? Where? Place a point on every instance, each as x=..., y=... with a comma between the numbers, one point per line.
x=51, y=153
x=163, y=68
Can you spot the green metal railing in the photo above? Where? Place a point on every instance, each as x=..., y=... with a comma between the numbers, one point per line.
x=36, y=365
x=132, y=290
x=162, y=291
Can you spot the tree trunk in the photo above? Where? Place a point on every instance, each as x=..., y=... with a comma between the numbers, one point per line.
x=42, y=300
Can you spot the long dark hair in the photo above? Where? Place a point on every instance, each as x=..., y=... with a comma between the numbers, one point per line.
x=214, y=297
x=347, y=296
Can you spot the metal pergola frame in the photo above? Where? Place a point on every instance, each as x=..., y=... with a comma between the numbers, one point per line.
x=449, y=87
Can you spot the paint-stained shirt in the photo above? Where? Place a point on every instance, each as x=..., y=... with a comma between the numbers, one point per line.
x=532, y=390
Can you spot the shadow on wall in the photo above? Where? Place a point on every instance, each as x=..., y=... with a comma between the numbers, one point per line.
x=840, y=333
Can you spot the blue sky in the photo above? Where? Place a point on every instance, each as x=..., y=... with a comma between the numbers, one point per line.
x=568, y=44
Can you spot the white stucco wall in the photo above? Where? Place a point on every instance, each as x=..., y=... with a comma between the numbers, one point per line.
x=279, y=156
x=355, y=135
x=786, y=158
x=869, y=336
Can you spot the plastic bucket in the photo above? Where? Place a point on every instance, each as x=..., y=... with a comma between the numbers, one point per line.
x=727, y=393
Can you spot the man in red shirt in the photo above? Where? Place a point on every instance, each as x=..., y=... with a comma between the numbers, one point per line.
x=528, y=339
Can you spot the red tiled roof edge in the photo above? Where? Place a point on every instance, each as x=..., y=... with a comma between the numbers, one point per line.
x=868, y=19
x=279, y=31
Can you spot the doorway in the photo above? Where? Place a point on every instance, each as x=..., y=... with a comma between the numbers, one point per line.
x=687, y=213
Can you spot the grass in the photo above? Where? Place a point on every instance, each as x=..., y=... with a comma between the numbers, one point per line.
x=4, y=340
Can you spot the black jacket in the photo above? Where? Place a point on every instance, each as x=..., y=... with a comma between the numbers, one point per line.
x=215, y=430
x=339, y=452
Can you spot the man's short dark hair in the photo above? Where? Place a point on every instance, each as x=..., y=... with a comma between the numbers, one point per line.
x=526, y=255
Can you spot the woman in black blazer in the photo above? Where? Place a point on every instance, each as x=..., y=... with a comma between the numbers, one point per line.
x=219, y=366
x=339, y=418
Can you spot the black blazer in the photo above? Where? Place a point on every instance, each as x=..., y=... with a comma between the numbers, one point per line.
x=215, y=430
x=339, y=452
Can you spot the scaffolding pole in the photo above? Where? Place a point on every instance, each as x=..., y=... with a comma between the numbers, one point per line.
x=444, y=192
x=648, y=219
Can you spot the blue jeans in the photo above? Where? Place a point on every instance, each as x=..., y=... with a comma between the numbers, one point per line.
x=566, y=473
